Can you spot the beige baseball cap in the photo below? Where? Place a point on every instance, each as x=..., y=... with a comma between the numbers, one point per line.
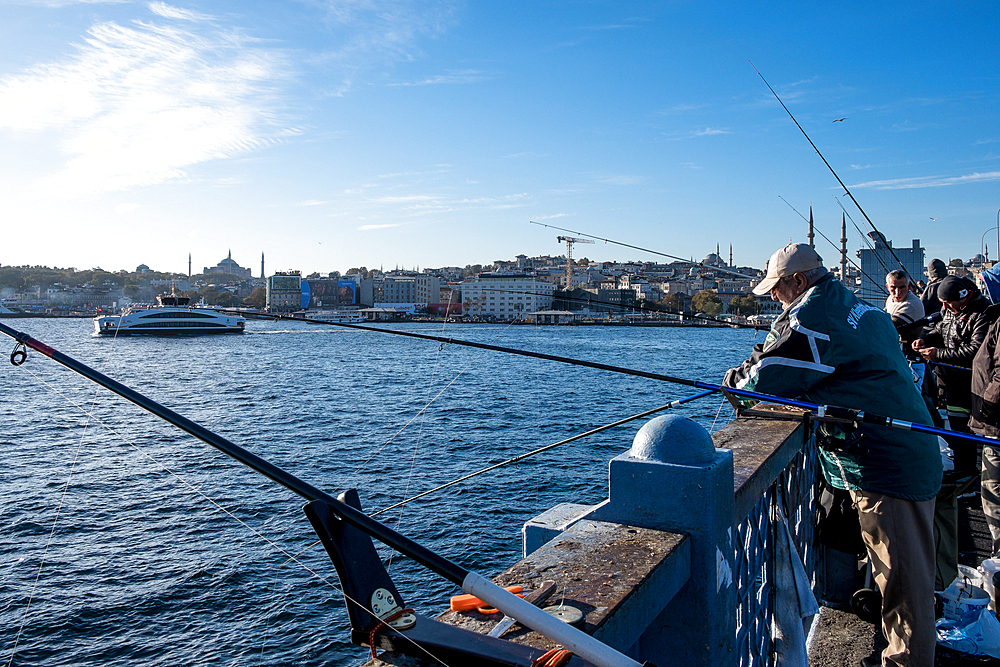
x=793, y=258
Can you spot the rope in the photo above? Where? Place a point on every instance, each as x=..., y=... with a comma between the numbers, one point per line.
x=384, y=623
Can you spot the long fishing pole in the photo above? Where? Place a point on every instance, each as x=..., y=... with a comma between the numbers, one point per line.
x=578, y=642
x=652, y=252
x=862, y=271
x=868, y=242
x=822, y=411
x=846, y=189
x=521, y=457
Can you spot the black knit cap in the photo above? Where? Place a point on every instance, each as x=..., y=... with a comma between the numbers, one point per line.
x=936, y=269
x=955, y=288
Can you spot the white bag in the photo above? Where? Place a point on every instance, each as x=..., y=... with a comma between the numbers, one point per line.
x=979, y=637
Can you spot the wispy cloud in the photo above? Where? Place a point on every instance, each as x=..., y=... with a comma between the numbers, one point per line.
x=171, y=12
x=374, y=34
x=551, y=217
x=930, y=181
x=311, y=202
x=690, y=134
x=139, y=104
x=459, y=77
x=388, y=225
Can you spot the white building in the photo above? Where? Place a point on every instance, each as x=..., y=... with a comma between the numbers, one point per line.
x=505, y=296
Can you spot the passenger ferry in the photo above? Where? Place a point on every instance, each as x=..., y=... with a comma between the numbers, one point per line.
x=172, y=315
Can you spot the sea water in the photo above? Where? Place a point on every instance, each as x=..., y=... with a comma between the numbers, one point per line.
x=125, y=541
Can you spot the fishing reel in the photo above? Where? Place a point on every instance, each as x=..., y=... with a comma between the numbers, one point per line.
x=853, y=444
x=19, y=355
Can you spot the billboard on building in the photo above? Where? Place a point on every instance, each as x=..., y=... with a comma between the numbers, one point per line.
x=330, y=294
x=304, y=297
x=283, y=283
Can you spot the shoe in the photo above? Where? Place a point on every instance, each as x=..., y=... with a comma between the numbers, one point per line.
x=872, y=661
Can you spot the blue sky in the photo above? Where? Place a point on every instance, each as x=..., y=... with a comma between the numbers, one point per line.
x=336, y=134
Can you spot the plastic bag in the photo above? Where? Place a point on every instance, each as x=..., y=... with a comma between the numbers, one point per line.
x=980, y=636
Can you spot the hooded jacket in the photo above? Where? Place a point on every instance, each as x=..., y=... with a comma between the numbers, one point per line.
x=958, y=338
x=831, y=348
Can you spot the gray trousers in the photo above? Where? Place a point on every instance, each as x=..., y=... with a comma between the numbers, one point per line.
x=991, y=492
x=899, y=535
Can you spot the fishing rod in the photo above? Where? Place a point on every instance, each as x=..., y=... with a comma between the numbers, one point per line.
x=822, y=411
x=846, y=190
x=862, y=271
x=866, y=239
x=525, y=613
x=652, y=252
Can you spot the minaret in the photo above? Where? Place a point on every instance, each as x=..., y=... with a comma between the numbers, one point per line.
x=261, y=265
x=843, y=248
x=730, y=255
x=812, y=236
x=189, y=265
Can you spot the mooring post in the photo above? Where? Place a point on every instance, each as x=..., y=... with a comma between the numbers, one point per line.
x=674, y=479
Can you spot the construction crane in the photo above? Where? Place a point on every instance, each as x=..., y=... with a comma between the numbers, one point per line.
x=570, y=240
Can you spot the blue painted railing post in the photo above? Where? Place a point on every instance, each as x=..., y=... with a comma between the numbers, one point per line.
x=674, y=479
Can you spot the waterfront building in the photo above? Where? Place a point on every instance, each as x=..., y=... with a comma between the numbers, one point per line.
x=505, y=296
x=878, y=261
x=284, y=292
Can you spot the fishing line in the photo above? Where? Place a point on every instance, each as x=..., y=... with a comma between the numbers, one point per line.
x=846, y=190
x=218, y=506
x=862, y=271
x=420, y=430
x=62, y=496
x=635, y=247
x=521, y=457
x=470, y=581
x=422, y=410
x=868, y=242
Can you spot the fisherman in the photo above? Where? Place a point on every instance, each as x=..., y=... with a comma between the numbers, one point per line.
x=904, y=307
x=902, y=302
x=907, y=311
x=937, y=271
x=967, y=317
x=985, y=421
x=829, y=347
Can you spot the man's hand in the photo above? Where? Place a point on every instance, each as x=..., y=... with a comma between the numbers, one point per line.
x=918, y=344
x=928, y=353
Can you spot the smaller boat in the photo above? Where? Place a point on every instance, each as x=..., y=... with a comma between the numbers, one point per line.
x=338, y=316
x=172, y=315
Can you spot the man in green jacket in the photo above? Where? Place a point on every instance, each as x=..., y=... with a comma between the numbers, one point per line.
x=828, y=347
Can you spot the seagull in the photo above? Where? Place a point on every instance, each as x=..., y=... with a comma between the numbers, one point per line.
x=934, y=219
x=839, y=119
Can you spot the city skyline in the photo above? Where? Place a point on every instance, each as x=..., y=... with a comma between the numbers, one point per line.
x=339, y=134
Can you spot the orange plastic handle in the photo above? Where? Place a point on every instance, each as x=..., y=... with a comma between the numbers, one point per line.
x=467, y=601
